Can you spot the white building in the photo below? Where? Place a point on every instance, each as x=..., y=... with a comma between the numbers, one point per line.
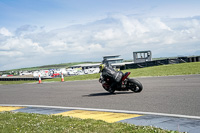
x=111, y=59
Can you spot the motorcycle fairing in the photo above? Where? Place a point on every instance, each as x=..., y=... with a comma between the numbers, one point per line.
x=126, y=75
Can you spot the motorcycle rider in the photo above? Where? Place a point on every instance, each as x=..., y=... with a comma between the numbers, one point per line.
x=109, y=73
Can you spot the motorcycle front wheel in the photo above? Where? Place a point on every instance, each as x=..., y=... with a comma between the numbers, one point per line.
x=109, y=89
x=134, y=85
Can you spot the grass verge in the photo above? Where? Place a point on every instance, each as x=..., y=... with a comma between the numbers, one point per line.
x=16, y=82
x=28, y=122
x=164, y=70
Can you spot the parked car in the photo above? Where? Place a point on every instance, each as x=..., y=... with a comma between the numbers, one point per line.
x=4, y=75
x=55, y=75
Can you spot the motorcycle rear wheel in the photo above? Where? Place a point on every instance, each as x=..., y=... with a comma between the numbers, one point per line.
x=134, y=85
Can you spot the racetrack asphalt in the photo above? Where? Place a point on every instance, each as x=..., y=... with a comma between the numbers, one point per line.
x=165, y=95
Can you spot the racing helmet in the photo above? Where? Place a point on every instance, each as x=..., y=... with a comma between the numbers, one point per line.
x=101, y=67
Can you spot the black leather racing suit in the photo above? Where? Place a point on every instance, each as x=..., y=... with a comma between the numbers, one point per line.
x=113, y=76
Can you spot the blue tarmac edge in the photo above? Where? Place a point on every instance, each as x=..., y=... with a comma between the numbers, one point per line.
x=190, y=124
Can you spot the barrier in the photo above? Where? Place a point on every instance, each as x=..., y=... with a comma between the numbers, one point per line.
x=161, y=62
x=198, y=58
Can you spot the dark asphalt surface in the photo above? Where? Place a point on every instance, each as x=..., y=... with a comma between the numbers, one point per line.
x=172, y=95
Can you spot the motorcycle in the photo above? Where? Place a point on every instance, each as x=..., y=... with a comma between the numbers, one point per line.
x=125, y=84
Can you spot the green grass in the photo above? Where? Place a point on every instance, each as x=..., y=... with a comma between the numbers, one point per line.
x=163, y=70
x=16, y=82
x=28, y=122
x=166, y=70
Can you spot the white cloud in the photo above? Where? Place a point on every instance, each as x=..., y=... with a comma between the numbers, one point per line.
x=107, y=34
x=155, y=24
x=95, y=47
x=132, y=26
x=11, y=53
x=117, y=34
x=21, y=44
x=5, y=32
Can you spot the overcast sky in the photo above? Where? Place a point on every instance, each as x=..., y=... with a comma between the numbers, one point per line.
x=41, y=32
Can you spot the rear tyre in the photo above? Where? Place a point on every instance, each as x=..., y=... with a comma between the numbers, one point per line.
x=134, y=85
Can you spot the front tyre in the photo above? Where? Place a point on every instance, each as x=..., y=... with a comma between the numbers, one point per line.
x=111, y=90
x=134, y=85
x=108, y=88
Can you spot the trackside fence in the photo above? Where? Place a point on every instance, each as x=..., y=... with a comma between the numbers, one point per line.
x=161, y=62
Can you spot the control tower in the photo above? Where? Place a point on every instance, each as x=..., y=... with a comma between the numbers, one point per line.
x=142, y=56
